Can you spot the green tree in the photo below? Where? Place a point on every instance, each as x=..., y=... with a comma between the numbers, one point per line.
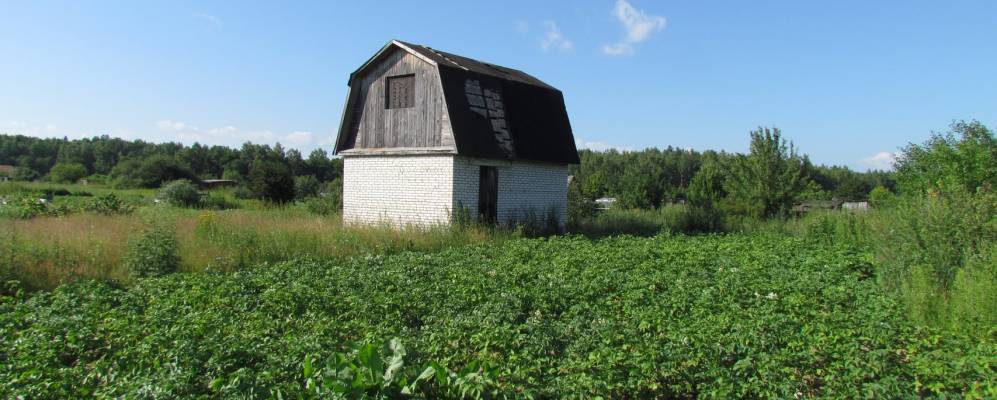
x=67, y=172
x=272, y=181
x=306, y=186
x=23, y=174
x=180, y=193
x=707, y=186
x=767, y=181
x=964, y=158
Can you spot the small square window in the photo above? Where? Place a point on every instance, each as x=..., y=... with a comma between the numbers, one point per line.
x=400, y=91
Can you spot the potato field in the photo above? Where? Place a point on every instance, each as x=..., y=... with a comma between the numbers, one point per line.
x=717, y=316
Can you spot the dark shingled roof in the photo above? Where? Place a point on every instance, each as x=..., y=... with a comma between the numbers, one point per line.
x=535, y=116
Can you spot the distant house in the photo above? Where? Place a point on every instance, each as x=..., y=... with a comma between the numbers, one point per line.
x=5, y=171
x=209, y=184
x=812, y=205
x=855, y=205
x=605, y=203
x=428, y=135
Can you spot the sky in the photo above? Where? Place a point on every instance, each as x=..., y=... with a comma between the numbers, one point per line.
x=848, y=82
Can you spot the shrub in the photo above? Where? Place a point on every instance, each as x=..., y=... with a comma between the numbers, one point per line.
x=24, y=174
x=217, y=201
x=271, y=181
x=23, y=207
x=108, y=204
x=306, y=186
x=67, y=172
x=180, y=193
x=931, y=249
x=150, y=172
x=324, y=205
x=880, y=197
x=154, y=253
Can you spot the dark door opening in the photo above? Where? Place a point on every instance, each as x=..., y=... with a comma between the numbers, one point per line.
x=488, y=195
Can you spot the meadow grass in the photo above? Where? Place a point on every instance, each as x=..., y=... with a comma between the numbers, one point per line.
x=45, y=252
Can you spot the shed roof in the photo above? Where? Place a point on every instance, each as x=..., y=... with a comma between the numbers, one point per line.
x=530, y=121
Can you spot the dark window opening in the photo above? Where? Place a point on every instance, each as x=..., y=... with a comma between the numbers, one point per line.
x=400, y=91
x=488, y=195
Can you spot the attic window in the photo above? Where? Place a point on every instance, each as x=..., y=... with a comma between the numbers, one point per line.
x=400, y=91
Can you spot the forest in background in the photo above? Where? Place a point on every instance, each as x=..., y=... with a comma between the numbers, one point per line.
x=646, y=179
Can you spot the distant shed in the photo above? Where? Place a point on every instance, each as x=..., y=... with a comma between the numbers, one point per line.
x=427, y=135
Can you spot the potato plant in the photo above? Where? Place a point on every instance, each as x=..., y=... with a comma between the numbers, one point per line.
x=665, y=317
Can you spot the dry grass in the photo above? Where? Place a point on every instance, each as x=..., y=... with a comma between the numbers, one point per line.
x=45, y=252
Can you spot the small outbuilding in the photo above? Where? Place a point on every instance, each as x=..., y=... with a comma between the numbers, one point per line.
x=428, y=136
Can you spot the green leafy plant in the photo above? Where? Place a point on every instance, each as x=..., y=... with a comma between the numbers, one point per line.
x=180, y=193
x=153, y=253
x=108, y=204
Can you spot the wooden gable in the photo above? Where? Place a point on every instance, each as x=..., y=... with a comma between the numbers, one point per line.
x=399, y=104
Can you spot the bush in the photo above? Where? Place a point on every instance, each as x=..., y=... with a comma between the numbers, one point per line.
x=180, y=193
x=930, y=250
x=24, y=174
x=271, y=181
x=881, y=197
x=150, y=172
x=67, y=172
x=306, y=186
x=324, y=205
x=108, y=204
x=217, y=201
x=154, y=253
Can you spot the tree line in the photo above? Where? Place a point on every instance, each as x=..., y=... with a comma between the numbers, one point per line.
x=266, y=171
x=765, y=182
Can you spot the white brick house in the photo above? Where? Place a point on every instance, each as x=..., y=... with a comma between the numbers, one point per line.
x=427, y=136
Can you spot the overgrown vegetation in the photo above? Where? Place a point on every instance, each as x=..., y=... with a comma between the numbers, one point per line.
x=671, y=316
x=898, y=299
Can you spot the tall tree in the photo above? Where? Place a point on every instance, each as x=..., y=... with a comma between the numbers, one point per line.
x=767, y=181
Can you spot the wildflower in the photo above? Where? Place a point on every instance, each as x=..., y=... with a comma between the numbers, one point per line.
x=772, y=296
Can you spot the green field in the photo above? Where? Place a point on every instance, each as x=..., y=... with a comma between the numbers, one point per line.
x=667, y=316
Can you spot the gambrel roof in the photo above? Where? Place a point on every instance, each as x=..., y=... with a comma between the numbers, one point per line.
x=493, y=111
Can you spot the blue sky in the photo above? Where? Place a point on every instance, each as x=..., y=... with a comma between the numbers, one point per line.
x=848, y=81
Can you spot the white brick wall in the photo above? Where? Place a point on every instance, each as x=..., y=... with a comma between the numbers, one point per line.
x=523, y=187
x=400, y=190
x=425, y=189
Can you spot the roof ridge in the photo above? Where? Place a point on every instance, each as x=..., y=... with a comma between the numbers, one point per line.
x=444, y=57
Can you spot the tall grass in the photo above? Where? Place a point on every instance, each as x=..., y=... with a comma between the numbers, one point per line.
x=47, y=251
x=936, y=254
x=669, y=218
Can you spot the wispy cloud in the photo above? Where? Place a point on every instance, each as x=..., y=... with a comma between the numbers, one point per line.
x=208, y=18
x=16, y=127
x=553, y=39
x=598, y=146
x=522, y=27
x=638, y=26
x=233, y=137
x=883, y=160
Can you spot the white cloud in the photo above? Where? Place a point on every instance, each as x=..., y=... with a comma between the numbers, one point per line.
x=300, y=137
x=234, y=137
x=883, y=160
x=15, y=127
x=210, y=19
x=638, y=26
x=522, y=27
x=554, y=39
x=597, y=146
x=617, y=49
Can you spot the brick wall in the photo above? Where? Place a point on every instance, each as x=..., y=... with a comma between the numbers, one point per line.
x=523, y=188
x=400, y=190
x=425, y=190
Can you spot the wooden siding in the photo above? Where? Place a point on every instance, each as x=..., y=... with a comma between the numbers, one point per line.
x=424, y=125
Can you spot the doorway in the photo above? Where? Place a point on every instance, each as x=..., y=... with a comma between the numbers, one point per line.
x=488, y=195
